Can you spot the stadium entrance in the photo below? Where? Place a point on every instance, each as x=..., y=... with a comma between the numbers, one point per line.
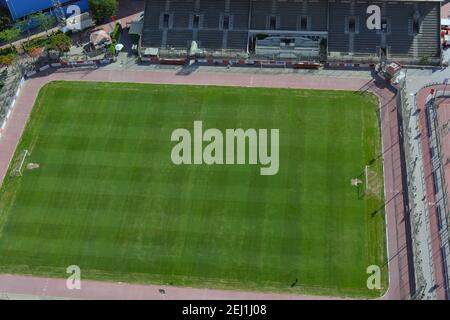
x=288, y=45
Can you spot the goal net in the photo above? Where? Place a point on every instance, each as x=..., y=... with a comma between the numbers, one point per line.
x=19, y=163
x=371, y=181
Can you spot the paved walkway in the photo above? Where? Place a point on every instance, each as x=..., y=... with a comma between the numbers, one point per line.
x=419, y=211
x=395, y=220
x=126, y=62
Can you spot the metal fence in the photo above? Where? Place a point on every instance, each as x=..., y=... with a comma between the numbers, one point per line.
x=410, y=115
x=418, y=211
x=10, y=91
x=441, y=205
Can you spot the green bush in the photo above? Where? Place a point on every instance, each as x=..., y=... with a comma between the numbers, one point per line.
x=35, y=43
x=5, y=19
x=10, y=35
x=112, y=49
x=8, y=50
x=102, y=9
x=116, y=32
x=7, y=56
x=7, y=59
x=57, y=41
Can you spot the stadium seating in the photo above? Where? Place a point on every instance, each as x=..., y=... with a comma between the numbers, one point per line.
x=152, y=35
x=211, y=11
x=401, y=39
x=210, y=39
x=311, y=17
x=179, y=38
x=237, y=39
x=182, y=12
x=337, y=38
x=366, y=41
x=403, y=42
x=261, y=10
x=240, y=10
x=319, y=20
x=428, y=40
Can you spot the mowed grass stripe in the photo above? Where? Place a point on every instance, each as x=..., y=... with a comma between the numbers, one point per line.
x=108, y=198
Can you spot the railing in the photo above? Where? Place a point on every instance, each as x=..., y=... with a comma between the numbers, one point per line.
x=439, y=171
x=418, y=211
x=10, y=91
x=438, y=134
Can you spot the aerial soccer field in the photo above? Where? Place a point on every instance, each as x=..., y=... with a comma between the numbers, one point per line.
x=93, y=184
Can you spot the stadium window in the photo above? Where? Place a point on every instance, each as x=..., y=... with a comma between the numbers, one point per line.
x=226, y=23
x=438, y=212
x=384, y=24
x=196, y=21
x=416, y=26
x=166, y=20
x=351, y=25
x=272, y=22
x=435, y=183
x=416, y=23
x=303, y=23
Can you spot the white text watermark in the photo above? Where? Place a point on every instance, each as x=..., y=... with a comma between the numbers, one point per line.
x=227, y=148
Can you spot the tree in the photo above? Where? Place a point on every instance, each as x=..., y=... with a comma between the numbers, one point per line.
x=102, y=9
x=24, y=24
x=5, y=19
x=45, y=21
x=9, y=35
x=6, y=60
x=35, y=52
x=60, y=42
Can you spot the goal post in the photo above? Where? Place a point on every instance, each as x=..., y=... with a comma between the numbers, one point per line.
x=19, y=163
x=372, y=181
x=363, y=182
x=366, y=177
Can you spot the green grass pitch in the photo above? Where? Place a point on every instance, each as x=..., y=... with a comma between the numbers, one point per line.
x=107, y=197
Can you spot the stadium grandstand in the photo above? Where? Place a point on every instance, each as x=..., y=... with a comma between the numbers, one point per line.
x=291, y=31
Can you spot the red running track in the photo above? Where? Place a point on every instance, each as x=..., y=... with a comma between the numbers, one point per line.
x=395, y=222
x=439, y=274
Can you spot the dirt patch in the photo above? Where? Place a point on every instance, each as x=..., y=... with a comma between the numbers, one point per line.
x=32, y=166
